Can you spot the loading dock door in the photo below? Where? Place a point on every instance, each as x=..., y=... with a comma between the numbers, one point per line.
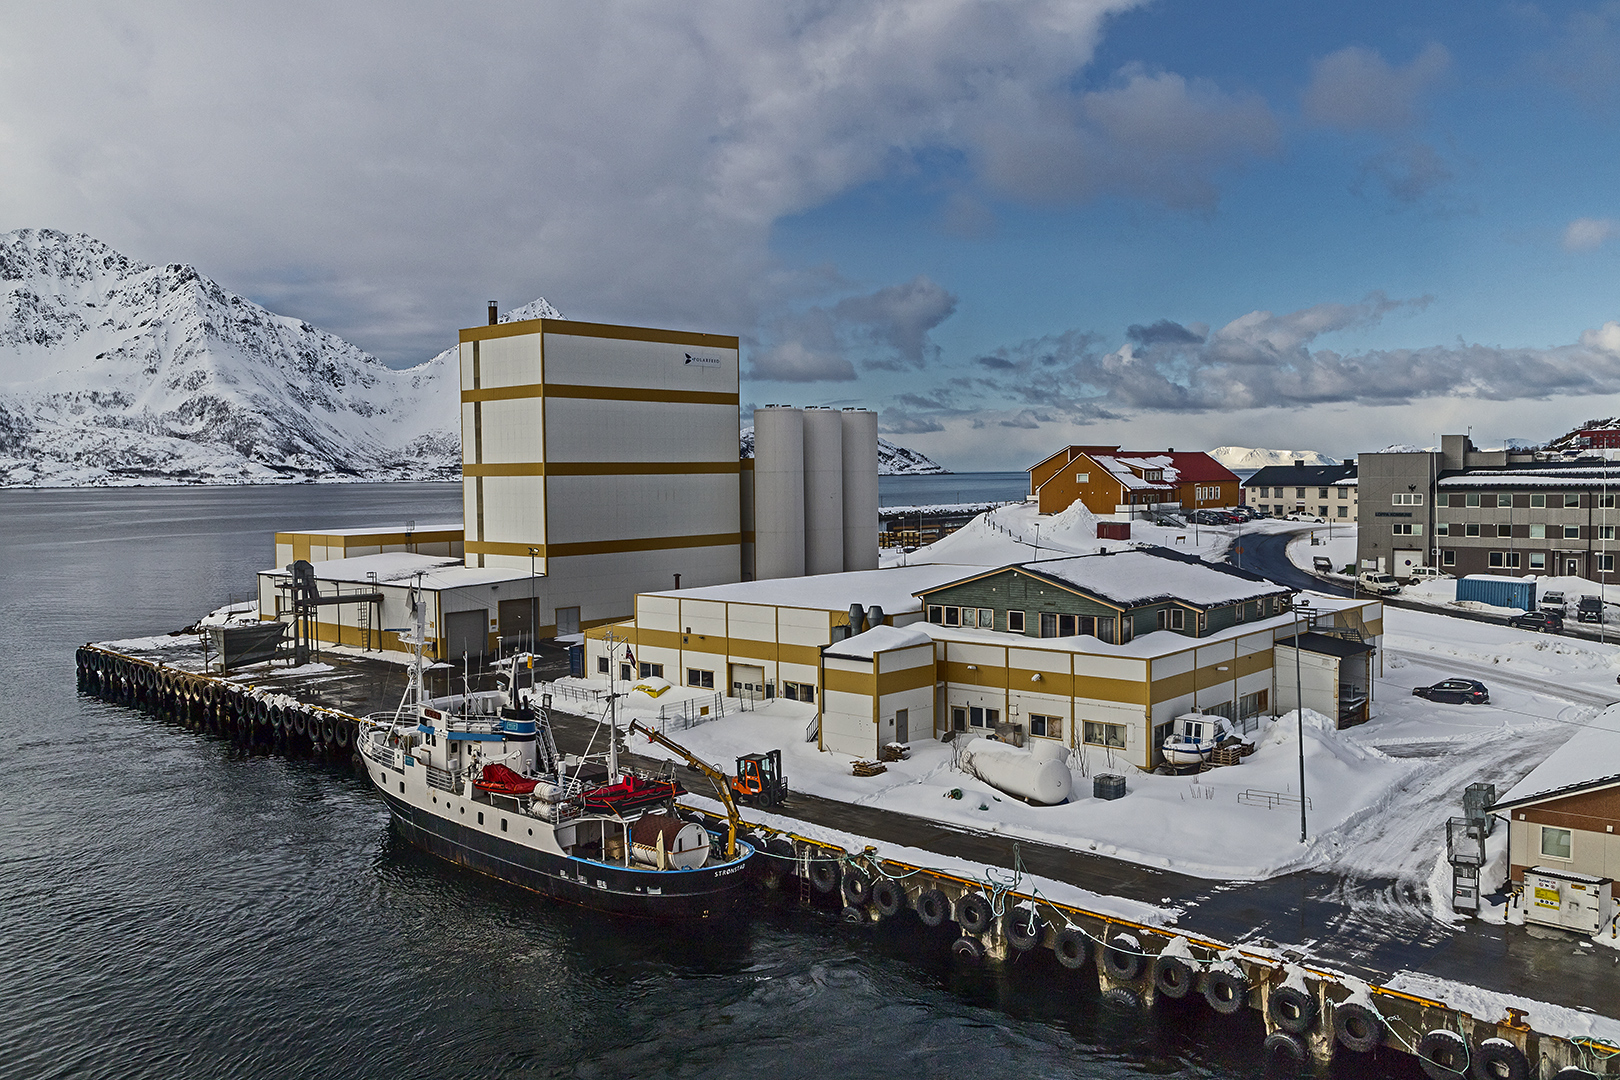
x=747, y=681
x=465, y=633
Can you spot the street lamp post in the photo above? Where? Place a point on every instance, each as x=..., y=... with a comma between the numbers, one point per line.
x=534, y=601
x=1299, y=712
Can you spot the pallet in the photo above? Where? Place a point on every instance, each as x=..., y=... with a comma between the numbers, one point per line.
x=1230, y=755
x=869, y=768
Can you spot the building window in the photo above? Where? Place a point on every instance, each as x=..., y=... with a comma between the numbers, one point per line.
x=953, y=616
x=1504, y=560
x=1572, y=532
x=1406, y=498
x=1605, y=563
x=1504, y=530
x=1471, y=499
x=1344, y=511
x=987, y=618
x=1571, y=499
x=958, y=719
x=1606, y=502
x=1178, y=619
x=1605, y=532
x=653, y=671
x=1448, y=558
x=1127, y=628
x=1047, y=727
x=704, y=680
x=1471, y=529
x=1066, y=626
x=1441, y=528
x=1503, y=498
x=1538, y=499
x=1321, y=511
x=1203, y=621
x=602, y=665
x=1299, y=493
x=795, y=691
x=1242, y=612
x=936, y=614
x=1100, y=734
x=1344, y=493
x=1538, y=532
x=1556, y=843
x=1015, y=622
x=1401, y=529
x=1048, y=624
x=975, y=716
x=1163, y=618
x=1538, y=560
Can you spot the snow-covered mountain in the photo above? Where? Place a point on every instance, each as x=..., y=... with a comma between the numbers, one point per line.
x=892, y=460
x=1245, y=457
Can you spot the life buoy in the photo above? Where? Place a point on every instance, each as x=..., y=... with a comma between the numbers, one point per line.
x=1357, y=1027
x=1498, y=1059
x=1024, y=929
x=823, y=875
x=932, y=907
x=967, y=950
x=973, y=913
x=1225, y=990
x=1285, y=1054
x=1443, y=1054
x=888, y=897
x=1072, y=948
x=1123, y=961
x=1291, y=1009
x=857, y=890
x=1174, y=976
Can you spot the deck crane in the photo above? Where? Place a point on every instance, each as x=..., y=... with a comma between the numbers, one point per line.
x=722, y=784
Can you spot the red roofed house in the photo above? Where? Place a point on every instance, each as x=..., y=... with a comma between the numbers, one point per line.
x=1111, y=481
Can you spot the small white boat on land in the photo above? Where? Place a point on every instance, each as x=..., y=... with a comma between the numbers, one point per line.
x=1195, y=737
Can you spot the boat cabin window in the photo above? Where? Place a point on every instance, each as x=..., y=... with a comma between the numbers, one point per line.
x=1195, y=729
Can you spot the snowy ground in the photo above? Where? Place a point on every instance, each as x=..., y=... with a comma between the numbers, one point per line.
x=1337, y=544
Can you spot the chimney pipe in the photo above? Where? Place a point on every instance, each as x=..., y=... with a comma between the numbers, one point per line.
x=492, y=314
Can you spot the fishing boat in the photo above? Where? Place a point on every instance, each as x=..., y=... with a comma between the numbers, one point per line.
x=477, y=780
x=1194, y=737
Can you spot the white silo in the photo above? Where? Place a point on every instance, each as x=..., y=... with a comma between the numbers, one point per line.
x=860, y=489
x=778, y=492
x=823, y=491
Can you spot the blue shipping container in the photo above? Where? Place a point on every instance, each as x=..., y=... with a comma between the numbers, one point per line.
x=1499, y=591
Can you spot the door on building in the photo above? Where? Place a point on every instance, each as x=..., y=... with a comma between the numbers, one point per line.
x=516, y=623
x=567, y=621
x=747, y=681
x=1572, y=567
x=1406, y=562
x=465, y=635
x=902, y=725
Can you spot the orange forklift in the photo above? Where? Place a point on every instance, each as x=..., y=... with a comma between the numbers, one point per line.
x=759, y=780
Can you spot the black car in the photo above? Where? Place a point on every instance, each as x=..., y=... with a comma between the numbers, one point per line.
x=1455, y=691
x=1548, y=622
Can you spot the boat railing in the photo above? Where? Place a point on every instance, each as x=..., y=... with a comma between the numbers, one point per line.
x=575, y=692
x=443, y=779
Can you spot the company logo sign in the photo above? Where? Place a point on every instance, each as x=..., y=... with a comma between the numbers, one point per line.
x=702, y=361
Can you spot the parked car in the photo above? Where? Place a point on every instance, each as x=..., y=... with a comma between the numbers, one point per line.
x=1307, y=517
x=1589, y=609
x=1427, y=573
x=1455, y=692
x=1548, y=622
x=1374, y=582
x=1554, y=600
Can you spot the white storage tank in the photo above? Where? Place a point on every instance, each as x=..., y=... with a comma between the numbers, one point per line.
x=1038, y=774
x=823, y=491
x=778, y=492
x=860, y=489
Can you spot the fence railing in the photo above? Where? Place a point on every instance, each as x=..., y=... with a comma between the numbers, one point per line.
x=680, y=715
x=1270, y=799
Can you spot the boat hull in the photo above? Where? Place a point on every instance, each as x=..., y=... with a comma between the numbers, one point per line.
x=642, y=892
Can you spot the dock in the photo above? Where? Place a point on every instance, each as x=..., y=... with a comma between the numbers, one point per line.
x=1314, y=1007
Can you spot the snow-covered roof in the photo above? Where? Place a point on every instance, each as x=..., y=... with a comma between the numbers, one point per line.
x=1132, y=578
x=1149, y=646
x=401, y=567
x=1589, y=759
x=1583, y=476
x=1303, y=476
x=376, y=530
x=880, y=639
x=892, y=589
x=1127, y=477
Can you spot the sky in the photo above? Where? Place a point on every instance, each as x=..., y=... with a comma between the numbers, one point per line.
x=1005, y=226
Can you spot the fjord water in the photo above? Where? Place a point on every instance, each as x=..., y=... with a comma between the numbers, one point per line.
x=173, y=910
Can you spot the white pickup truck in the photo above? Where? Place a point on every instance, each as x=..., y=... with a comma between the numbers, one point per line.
x=1374, y=582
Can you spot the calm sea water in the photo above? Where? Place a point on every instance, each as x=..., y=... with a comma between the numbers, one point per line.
x=952, y=488
x=172, y=910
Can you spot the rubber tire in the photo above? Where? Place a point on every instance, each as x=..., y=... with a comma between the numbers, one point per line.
x=857, y=890
x=973, y=913
x=1500, y=1061
x=889, y=897
x=968, y=950
x=773, y=874
x=933, y=908
x=1072, y=948
x=824, y=875
x=1225, y=992
x=1174, y=976
x=1351, y=1015
x=1438, y=1050
x=1122, y=964
x=344, y=736
x=1285, y=1054
x=1292, y=1010
x=1122, y=999
x=1015, y=923
x=853, y=915
x=300, y=722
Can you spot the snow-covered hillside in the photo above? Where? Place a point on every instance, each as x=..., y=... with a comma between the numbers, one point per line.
x=1245, y=457
x=892, y=460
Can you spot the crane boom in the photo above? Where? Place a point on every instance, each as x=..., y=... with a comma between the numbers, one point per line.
x=722, y=785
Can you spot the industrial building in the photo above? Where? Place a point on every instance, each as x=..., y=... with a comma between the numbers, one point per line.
x=815, y=491
x=1130, y=483
x=911, y=652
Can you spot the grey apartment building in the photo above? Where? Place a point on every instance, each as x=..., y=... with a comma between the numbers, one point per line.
x=1468, y=511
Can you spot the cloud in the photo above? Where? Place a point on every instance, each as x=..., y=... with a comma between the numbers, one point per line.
x=1584, y=60
x=888, y=328
x=1356, y=89
x=1165, y=332
x=1588, y=234
x=1408, y=173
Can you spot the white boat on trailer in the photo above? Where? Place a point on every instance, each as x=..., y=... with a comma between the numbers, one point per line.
x=1195, y=737
x=477, y=780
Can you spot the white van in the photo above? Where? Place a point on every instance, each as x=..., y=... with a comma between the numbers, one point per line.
x=1426, y=573
x=1374, y=582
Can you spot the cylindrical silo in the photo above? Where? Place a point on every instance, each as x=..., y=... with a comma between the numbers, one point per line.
x=860, y=489
x=778, y=492
x=823, y=492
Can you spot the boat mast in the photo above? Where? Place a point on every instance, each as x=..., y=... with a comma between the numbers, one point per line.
x=613, y=715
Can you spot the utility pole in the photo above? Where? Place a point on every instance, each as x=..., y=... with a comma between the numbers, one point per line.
x=1299, y=714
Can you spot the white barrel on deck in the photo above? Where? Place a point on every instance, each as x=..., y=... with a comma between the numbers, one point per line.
x=823, y=491
x=1035, y=775
x=860, y=489
x=778, y=492
x=685, y=844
